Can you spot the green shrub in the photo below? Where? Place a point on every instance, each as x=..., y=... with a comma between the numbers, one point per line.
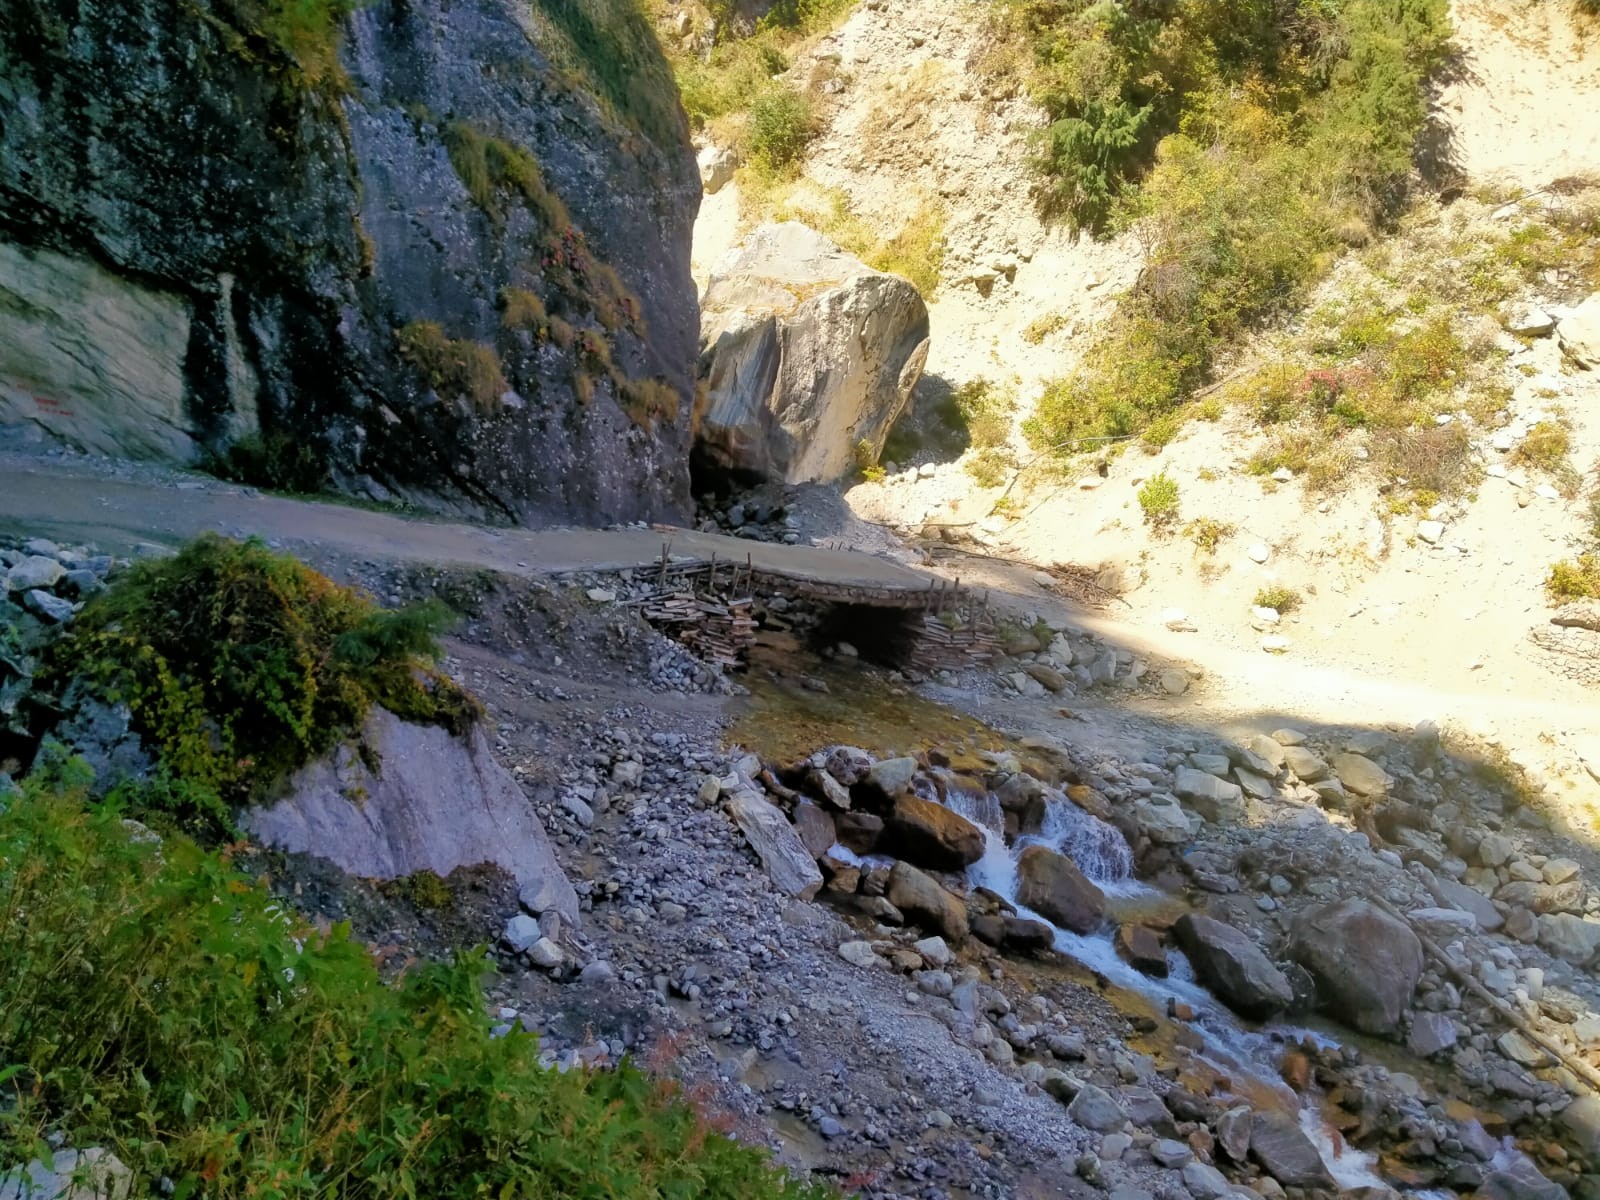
x=612, y=46
x=155, y=1002
x=307, y=33
x=240, y=665
x=1278, y=597
x=1577, y=579
x=456, y=368
x=272, y=460
x=1159, y=500
x=1546, y=447
x=1207, y=533
x=1041, y=327
x=782, y=125
x=1262, y=134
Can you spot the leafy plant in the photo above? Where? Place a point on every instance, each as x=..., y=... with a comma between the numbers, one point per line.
x=782, y=125
x=240, y=665
x=1546, y=447
x=239, y=1051
x=271, y=460
x=1159, y=500
x=1207, y=533
x=1278, y=597
x=1574, y=579
x=455, y=368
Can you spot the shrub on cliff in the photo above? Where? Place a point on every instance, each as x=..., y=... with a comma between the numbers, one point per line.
x=155, y=1002
x=240, y=665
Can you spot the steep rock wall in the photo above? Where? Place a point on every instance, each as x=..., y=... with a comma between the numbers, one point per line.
x=433, y=248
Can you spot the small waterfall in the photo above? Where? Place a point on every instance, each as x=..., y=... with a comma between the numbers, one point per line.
x=1102, y=854
x=1099, y=850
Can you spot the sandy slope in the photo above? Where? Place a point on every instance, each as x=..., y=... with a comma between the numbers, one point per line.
x=1525, y=109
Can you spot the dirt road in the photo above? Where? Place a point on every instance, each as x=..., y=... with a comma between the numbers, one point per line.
x=79, y=502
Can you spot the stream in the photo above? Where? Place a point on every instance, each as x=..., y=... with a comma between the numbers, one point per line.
x=1102, y=854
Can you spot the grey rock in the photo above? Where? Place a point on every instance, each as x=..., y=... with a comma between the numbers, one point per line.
x=1233, y=967
x=1307, y=767
x=859, y=954
x=806, y=354
x=892, y=776
x=1205, y=1182
x=51, y=607
x=1163, y=821
x=1171, y=1154
x=1579, y=333
x=546, y=954
x=368, y=229
x=1094, y=1108
x=815, y=827
x=34, y=572
x=521, y=931
x=1455, y=894
x=91, y=1174
x=1052, y=885
x=80, y=584
x=790, y=866
x=1258, y=787
x=1517, y=1178
x=1233, y=1132
x=1285, y=1152
x=1495, y=849
x=102, y=735
x=1571, y=938
x=436, y=802
x=1361, y=775
x=923, y=900
x=1430, y=1034
x=1365, y=962
x=598, y=973
x=1581, y=1120
x=1215, y=799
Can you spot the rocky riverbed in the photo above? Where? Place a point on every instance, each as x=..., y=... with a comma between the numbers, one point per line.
x=949, y=957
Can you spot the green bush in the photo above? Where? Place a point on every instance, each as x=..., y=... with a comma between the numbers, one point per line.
x=455, y=368
x=271, y=460
x=1278, y=597
x=1262, y=134
x=155, y=1002
x=782, y=125
x=1159, y=500
x=1546, y=447
x=1207, y=533
x=1576, y=579
x=240, y=665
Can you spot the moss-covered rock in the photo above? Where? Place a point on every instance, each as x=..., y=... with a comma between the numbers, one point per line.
x=307, y=181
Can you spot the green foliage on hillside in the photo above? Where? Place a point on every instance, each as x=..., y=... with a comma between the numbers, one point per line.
x=240, y=665
x=611, y=46
x=306, y=33
x=1246, y=141
x=155, y=1002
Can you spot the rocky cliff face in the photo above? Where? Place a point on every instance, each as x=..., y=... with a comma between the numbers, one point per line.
x=437, y=249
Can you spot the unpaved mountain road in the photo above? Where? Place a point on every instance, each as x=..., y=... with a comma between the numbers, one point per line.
x=1550, y=722
x=78, y=502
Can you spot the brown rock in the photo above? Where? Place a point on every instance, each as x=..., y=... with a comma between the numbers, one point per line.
x=1052, y=885
x=1141, y=947
x=1233, y=967
x=1027, y=937
x=815, y=828
x=858, y=831
x=1366, y=963
x=922, y=900
x=1052, y=679
x=1296, y=1070
x=930, y=835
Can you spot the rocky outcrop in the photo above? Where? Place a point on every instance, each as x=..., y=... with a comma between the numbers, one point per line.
x=1579, y=333
x=428, y=249
x=777, y=845
x=930, y=835
x=1366, y=963
x=1051, y=885
x=807, y=357
x=1285, y=1152
x=922, y=900
x=415, y=798
x=1233, y=967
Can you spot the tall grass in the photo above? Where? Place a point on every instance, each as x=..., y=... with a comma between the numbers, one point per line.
x=154, y=1001
x=1244, y=142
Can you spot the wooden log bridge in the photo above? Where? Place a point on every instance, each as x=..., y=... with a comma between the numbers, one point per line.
x=717, y=609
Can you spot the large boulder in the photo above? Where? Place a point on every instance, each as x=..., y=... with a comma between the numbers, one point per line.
x=416, y=798
x=1051, y=885
x=920, y=897
x=1285, y=1152
x=1233, y=967
x=790, y=865
x=808, y=357
x=432, y=250
x=1366, y=963
x=930, y=835
x=1579, y=333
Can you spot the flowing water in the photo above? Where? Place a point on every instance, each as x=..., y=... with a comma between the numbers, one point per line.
x=1246, y=1055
